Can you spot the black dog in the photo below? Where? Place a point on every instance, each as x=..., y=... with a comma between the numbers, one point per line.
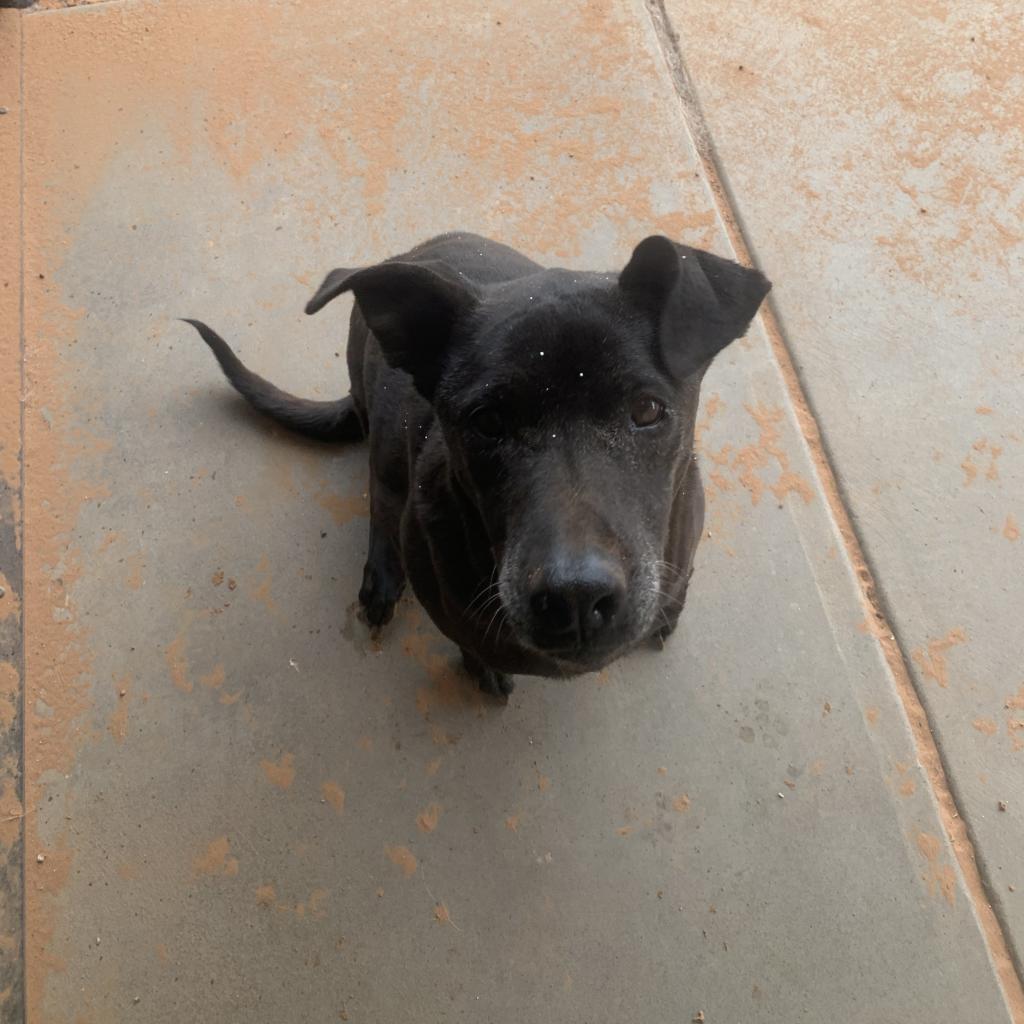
x=531, y=441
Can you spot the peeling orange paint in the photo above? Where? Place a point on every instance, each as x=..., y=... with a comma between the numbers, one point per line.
x=177, y=663
x=215, y=860
x=450, y=688
x=280, y=773
x=427, y=819
x=1015, y=719
x=971, y=468
x=681, y=803
x=314, y=906
x=441, y=914
x=512, y=823
x=110, y=537
x=10, y=688
x=988, y=726
x=402, y=857
x=334, y=795
x=940, y=878
x=932, y=662
x=343, y=509
x=440, y=738
x=136, y=565
x=751, y=460
x=118, y=724
x=128, y=872
x=266, y=896
x=1011, y=531
x=11, y=813
x=262, y=592
x=712, y=405
x=214, y=679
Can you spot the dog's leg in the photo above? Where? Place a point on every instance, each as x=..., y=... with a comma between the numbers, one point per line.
x=490, y=681
x=383, y=575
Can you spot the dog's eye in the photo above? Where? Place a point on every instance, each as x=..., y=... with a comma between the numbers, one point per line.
x=646, y=412
x=488, y=423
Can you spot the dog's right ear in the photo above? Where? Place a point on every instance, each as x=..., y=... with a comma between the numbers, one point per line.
x=412, y=309
x=701, y=301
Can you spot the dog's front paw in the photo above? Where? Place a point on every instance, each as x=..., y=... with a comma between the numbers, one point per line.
x=497, y=684
x=490, y=681
x=379, y=594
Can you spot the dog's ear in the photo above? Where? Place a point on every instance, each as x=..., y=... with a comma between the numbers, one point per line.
x=701, y=301
x=333, y=285
x=412, y=309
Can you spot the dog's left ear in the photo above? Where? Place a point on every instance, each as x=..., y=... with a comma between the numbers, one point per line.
x=701, y=301
x=412, y=309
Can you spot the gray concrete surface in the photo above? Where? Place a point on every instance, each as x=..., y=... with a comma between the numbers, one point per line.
x=876, y=159
x=237, y=807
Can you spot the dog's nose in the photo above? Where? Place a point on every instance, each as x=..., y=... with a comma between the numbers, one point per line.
x=577, y=601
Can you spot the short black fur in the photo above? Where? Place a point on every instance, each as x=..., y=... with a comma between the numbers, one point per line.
x=531, y=441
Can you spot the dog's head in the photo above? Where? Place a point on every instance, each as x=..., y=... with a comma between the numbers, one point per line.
x=567, y=402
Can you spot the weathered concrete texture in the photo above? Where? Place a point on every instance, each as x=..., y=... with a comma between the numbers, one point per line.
x=12, y=845
x=876, y=158
x=246, y=811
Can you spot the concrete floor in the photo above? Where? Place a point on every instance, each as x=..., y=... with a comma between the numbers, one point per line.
x=221, y=802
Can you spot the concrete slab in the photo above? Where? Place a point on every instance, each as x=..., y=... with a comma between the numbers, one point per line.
x=876, y=159
x=246, y=811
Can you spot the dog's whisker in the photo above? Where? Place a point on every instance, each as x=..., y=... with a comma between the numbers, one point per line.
x=480, y=606
x=483, y=597
x=668, y=567
x=483, y=590
x=497, y=612
x=665, y=596
x=488, y=605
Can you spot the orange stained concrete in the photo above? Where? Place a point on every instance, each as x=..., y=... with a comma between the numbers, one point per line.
x=898, y=234
x=287, y=835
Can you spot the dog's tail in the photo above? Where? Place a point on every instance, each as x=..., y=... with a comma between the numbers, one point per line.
x=325, y=421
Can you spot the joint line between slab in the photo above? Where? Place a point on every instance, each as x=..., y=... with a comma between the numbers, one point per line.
x=20, y=525
x=1002, y=954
